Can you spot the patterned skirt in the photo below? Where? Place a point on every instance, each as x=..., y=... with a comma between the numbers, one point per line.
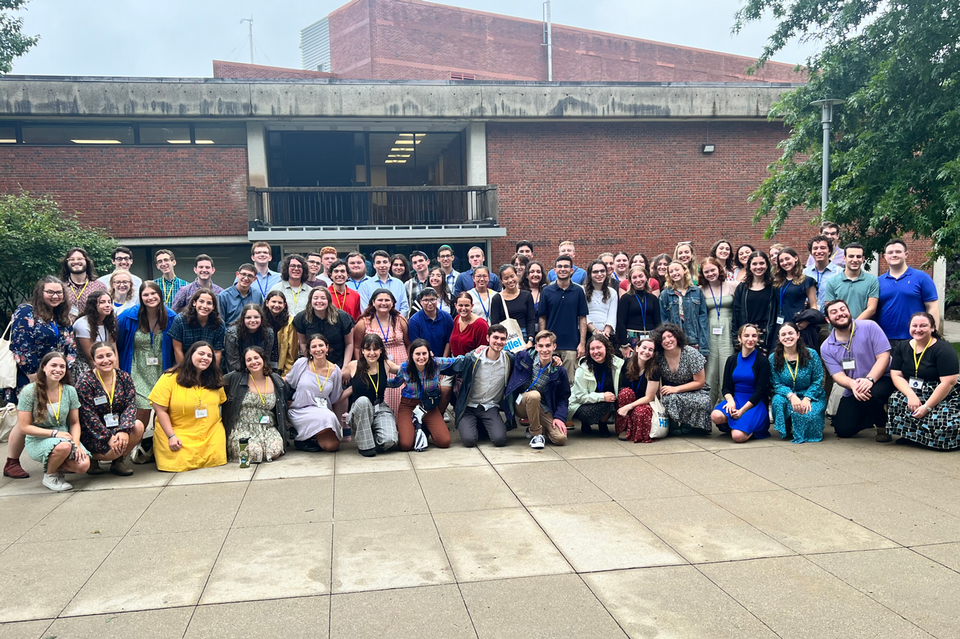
x=940, y=429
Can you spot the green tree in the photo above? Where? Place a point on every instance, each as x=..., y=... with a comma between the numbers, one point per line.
x=895, y=152
x=34, y=235
x=13, y=43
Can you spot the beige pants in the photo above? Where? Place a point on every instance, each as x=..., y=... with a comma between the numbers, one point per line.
x=569, y=359
x=540, y=420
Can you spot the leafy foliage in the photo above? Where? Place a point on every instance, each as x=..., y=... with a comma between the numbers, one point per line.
x=34, y=235
x=895, y=152
x=13, y=43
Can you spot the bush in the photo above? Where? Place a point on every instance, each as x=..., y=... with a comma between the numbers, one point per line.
x=34, y=235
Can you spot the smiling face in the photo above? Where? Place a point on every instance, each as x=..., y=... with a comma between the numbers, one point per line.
x=445, y=258
x=508, y=278
x=76, y=262
x=662, y=267
x=895, y=255
x=497, y=341
x=545, y=348
x=475, y=257
x=464, y=307
x=420, y=356
x=357, y=267
x=276, y=304
x=253, y=361
x=723, y=251
x=668, y=341
x=122, y=284
x=204, y=304
x=743, y=254
x=371, y=354
x=854, y=257
x=53, y=294
x=645, y=350
x=261, y=256
x=684, y=253
x=383, y=303
x=381, y=265
x=710, y=272
x=920, y=328
x=314, y=264
x=608, y=262
x=320, y=303
x=598, y=351
x=398, y=268
x=749, y=337
x=676, y=272
x=787, y=262
x=55, y=369
x=481, y=279
x=525, y=250
x=339, y=275
x=149, y=297
x=758, y=266
x=202, y=358
x=820, y=251
x=839, y=316
x=621, y=263
x=105, y=359
x=295, y=272
x=639, y=280
x=788, y=336
x=165, y=263
x=436, y=279
x=563, y=270
x=104, y=306
x=598, y=274
x=534, y=275
x=318, y=349
x=204, y=270
x=251, y=319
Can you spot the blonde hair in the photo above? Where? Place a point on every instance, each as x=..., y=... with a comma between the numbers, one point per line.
x=131, y=294
x=693, y=254
x=687, y=280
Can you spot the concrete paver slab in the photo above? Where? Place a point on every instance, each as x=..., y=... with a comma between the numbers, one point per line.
x=33, y=485
x=630, y=478
x=787, y=468
x=545, y=484
x=517, y=451
x=24, y=629
x=718, y=441
x=370, y=495
x=466, y=488
x=591, y=448
x=300, y=500
x=904, y=520
x=20, y=513
x=429, y=612
x=148, y=624
x=675, y=602
x=908, y=583
x=942, y=493
x=301, y=618
x=709, y=474
x=271, y=562
x=230, y=471
x=87, y=515
x=796, y=598
x=350, y=462
x=701, y=531
x=665, y=446
x=946, y=554
x=538, y=607
x=150, y=571
x=602, y=536
x=391, y=552
x=45, y=584
x=185, y=508
x=498, y=544
x=453, y=457
x=144, y=476
x=296, y=463
x=800, y=524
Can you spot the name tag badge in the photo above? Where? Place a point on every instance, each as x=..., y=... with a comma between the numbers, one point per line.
x=519, y=399
x=74, y=310
x=418, y=413
x=111, y=420
x=916, y=383
x=321, y=402
x=779, y=319
x=390, y=357
x=718, y=330
x=153, y=361
x=100, y=401
x=200, y=412
x=848, y=364
x=265, y=419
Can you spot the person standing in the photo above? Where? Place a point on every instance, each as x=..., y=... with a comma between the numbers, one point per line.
x=755, y=302
x=418, y=281
x=563, y=311
x=514, y=303
x=602, y=300
x=232, y=299
x=284, y=351
x=525, y=248
x=831, y=232
x=534, y=281
x=431, y=323
x=445, y=258
x=682, y=303
x=344, y=297
x=465, y=280
x=542, y=391
x=444, y=297
x=79, y=280
x=261, y=254
x=357, y=271
x=822, y=270
x=722, y=251
x=322, y=317
x=903, y=292
x=170, y=284
x=638, y=312
x=383, y=319
x=795, y=292
x=291, y=284
x=718, y=291
x=249, y=329
x=857, y=356
x=122, y=259
x=579, y=276
x=621, y=270
x=120, y=287
x=97, y=324
x=859, y=289
x=383, y=280
x=469, y=331
x=38, y=327
x=204, y=269
x=316, y=276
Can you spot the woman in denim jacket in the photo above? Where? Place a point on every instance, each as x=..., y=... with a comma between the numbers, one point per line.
x=682, y=303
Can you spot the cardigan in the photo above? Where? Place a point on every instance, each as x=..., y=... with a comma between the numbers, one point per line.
x=127, y=327
x=761, y=374
x=237, y=385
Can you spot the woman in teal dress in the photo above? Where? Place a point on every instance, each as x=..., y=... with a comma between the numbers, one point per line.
x=799, y=401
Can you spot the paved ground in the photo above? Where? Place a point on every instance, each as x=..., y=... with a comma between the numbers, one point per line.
x=694, y=537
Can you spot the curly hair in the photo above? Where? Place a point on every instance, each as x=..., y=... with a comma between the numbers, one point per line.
x=42, y=310
x=607, y=360
x=92, y=314
x=190, y=314
x=803, y=356
x=673, y=329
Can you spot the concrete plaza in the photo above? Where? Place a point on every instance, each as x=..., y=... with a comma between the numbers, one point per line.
x=686, y=537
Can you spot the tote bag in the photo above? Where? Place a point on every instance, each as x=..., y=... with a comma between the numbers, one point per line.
x=8, y=365
x=659, y=424
x=515, y=341
x=8, y=419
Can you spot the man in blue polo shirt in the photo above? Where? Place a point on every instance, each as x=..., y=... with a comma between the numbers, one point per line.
x=563, y=311
x=903, y=292
x=232, y=300
x=383, y=279
x=578, y=275
x=465, y=280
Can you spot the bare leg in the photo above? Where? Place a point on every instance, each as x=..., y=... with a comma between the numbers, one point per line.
x=739, y=436
x=16, y=443
x=57, y=457
x=328, y=440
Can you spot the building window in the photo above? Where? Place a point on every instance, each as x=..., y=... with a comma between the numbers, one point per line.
x=172, y=134
x=77, y=134
x=8, y=134
x=221, y=134
x=82, y=134
x=463, y=76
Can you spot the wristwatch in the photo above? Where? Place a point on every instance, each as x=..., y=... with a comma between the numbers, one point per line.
x=872, y=381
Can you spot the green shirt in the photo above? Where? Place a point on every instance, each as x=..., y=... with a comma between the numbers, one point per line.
x=854, y=292
x=70, y=401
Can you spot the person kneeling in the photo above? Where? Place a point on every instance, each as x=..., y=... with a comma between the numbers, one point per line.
x=365, y=382
x=317, y=387
x=543, y=391
x=746, y=381
x=109, y=427
x=639, y=384
x=595, y=386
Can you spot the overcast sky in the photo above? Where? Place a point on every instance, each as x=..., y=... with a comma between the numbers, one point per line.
x=180, y=38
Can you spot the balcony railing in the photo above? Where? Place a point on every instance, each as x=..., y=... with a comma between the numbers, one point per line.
x=386, y=206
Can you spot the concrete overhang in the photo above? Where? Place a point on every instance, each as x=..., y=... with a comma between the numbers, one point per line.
x=42, y=97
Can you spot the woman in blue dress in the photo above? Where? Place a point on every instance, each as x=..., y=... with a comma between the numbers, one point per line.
x=746, y=384
x=798, y=396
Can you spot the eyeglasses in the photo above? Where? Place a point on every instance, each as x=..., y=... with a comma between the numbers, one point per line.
x=53, y=293
x=245, y=276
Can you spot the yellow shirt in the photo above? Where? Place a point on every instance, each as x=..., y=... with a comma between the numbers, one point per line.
x=203, y=438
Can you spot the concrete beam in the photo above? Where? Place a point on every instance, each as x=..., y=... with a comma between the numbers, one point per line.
x=41, y=97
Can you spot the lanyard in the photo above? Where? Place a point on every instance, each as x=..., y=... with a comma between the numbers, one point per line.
x=113, y=388
x=325, y=377
x=263, y=293
x=482, y=306
x=783, y=291
x=716, y=304
x=819, y=276
x=386, y=337
x=56, y=329
x=636, y=385
x=793, y=371
x=849, y=343
x=199, y=396
x=338, y=301
x=263, y=401
x=643, y=310
x=534, y=383
x=166, y=293
x=536, y=302
x=375, y=384
x=80, y=294
x=356, y=284
x=295, y=295
x=603, y=381
x=916, y=360
x=155, y=327
x=56, y=411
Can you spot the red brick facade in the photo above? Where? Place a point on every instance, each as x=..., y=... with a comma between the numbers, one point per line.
x=639, y=186
x=241, y=71
x=413, y=40
x=138, y=191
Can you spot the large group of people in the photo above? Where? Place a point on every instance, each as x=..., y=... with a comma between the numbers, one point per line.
x=320, y=353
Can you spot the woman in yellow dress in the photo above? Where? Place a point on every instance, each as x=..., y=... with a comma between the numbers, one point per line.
x=187, y=402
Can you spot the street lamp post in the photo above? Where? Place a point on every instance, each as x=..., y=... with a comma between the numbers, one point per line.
x=826, y=119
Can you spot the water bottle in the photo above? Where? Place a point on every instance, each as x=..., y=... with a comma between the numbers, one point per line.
x=244, y=455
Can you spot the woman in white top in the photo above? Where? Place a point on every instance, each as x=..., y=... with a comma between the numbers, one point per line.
x=481, y=294
x=601, y=300
x=97, y=324
x=121, y=290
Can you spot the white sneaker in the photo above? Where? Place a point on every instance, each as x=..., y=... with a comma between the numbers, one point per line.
x=537, y=442
x=56, y=483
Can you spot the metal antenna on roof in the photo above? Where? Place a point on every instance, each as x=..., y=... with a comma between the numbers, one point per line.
x=250, y=24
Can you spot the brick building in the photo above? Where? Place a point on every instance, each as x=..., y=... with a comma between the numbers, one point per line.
x=609, y=155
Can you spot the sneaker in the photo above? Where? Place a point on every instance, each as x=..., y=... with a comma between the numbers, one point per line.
x=56, y=482
x=13, y=469
x=118, y=467
x=883, y=436
x=537, y=442
x=527, y=434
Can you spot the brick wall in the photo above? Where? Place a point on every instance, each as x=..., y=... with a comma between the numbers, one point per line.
x=138, y=191
x=408, y=39
x=240, y=70
x=632, y=186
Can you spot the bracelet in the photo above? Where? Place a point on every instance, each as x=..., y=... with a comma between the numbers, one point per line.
x=169, y=437
x=54, y=434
